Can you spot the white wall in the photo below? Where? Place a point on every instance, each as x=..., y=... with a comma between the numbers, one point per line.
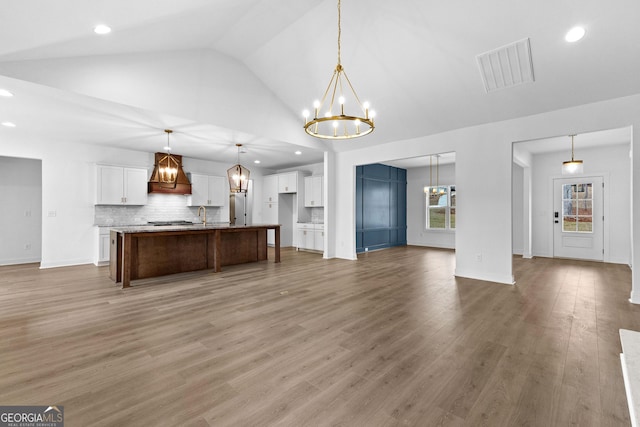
x=21, y=213
x=417, y=234
x=483, y=157
x=614, y=164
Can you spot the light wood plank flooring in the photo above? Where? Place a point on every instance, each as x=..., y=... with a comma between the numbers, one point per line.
x=392, y=339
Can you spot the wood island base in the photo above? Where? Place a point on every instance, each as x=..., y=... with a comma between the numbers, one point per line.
x=143, y=252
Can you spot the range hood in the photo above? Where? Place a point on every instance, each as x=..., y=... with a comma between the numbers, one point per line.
x=182, y=185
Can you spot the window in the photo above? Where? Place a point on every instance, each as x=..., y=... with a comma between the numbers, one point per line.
x=577, y=208
x=441, y=207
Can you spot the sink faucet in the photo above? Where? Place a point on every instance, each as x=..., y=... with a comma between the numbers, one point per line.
x=204, y=218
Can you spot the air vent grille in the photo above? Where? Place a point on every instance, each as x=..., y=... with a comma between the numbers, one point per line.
x=507, y=66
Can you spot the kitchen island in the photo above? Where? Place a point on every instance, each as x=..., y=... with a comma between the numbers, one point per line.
x=141, y=252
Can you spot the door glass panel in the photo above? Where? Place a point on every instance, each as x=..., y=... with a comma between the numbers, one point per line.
x=569, y=207
x=577, y=208
x=585, y=224
x=585, y=207
x=569, y=223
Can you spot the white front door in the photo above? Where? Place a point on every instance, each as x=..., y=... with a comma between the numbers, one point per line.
x=578, y=218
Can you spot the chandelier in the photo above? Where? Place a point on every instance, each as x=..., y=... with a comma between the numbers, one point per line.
x=338, y=125
x=238, y=176
x=572, y=166
x=168, y=166
x=434, y=190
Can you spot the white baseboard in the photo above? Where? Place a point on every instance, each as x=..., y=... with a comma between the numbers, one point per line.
x=17, y=261
x=65, y=263
x=507, y=280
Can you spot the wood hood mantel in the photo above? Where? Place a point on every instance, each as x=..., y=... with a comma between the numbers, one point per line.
x=182, y=186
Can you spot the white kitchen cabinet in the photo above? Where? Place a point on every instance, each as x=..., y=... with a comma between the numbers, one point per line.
x=270, y=189
x=117, y=185
x=318, y=238
x=305, y=237
x=104, y=246
x=313, y=191
x=288, y=182
x=311, y=237
x=208, y=190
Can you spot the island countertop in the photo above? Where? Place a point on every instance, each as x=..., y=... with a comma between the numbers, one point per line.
x=189, y=227
x=144, y=251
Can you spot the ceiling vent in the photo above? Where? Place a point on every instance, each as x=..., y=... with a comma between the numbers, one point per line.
x=507, y=66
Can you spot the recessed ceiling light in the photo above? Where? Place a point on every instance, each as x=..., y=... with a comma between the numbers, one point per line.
x=4, y=92
x=574, y=34
x=9, y=124
x=257, y=162
x=298, y=153
x=102, y=29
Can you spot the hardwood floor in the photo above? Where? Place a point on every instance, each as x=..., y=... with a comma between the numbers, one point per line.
x=392, y=339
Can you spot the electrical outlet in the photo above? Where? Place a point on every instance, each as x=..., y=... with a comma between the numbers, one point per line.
x=27, y=247
x=366, y=249
x=479, y=257
x=27, y=213
x=53, y=213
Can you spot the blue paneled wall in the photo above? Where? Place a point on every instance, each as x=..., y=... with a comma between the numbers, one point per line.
x=381, y=207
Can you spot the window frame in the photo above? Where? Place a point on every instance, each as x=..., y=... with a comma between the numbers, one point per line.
x=450, y=191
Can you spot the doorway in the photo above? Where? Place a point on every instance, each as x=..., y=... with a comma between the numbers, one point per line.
x=578, y=229
x=21, y=214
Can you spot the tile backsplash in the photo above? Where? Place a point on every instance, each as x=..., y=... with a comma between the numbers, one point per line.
x=317, y=215
x=159, y=207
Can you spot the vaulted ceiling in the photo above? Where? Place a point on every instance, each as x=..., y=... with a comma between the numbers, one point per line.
x=414, y=60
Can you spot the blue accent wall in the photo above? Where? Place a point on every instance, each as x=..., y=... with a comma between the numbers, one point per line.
x=381, y=207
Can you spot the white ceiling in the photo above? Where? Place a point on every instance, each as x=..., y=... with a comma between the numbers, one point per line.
x=414, y=60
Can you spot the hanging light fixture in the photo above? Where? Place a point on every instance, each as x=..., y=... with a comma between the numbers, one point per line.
x=238, y=176
x=572, y=167
x=431, y=188
x=338, y=125
x=168, y=166
x=439, y=190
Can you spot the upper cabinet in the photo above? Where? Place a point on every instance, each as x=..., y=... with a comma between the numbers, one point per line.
x=208, y=190
x=288, y=182
x=270, y=189
x=117, y=185
x=313, y=191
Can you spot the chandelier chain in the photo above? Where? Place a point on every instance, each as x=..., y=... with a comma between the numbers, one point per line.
x=339, y=31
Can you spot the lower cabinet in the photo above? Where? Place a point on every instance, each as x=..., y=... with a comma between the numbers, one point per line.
x=318, y=239
x=104, y=246
x=311, y=237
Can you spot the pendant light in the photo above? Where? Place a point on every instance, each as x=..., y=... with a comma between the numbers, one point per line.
x=328, y=124
x=430, y=188
x=238, y=176
x=439, y=190
x=168, y=166
x=572, y=167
